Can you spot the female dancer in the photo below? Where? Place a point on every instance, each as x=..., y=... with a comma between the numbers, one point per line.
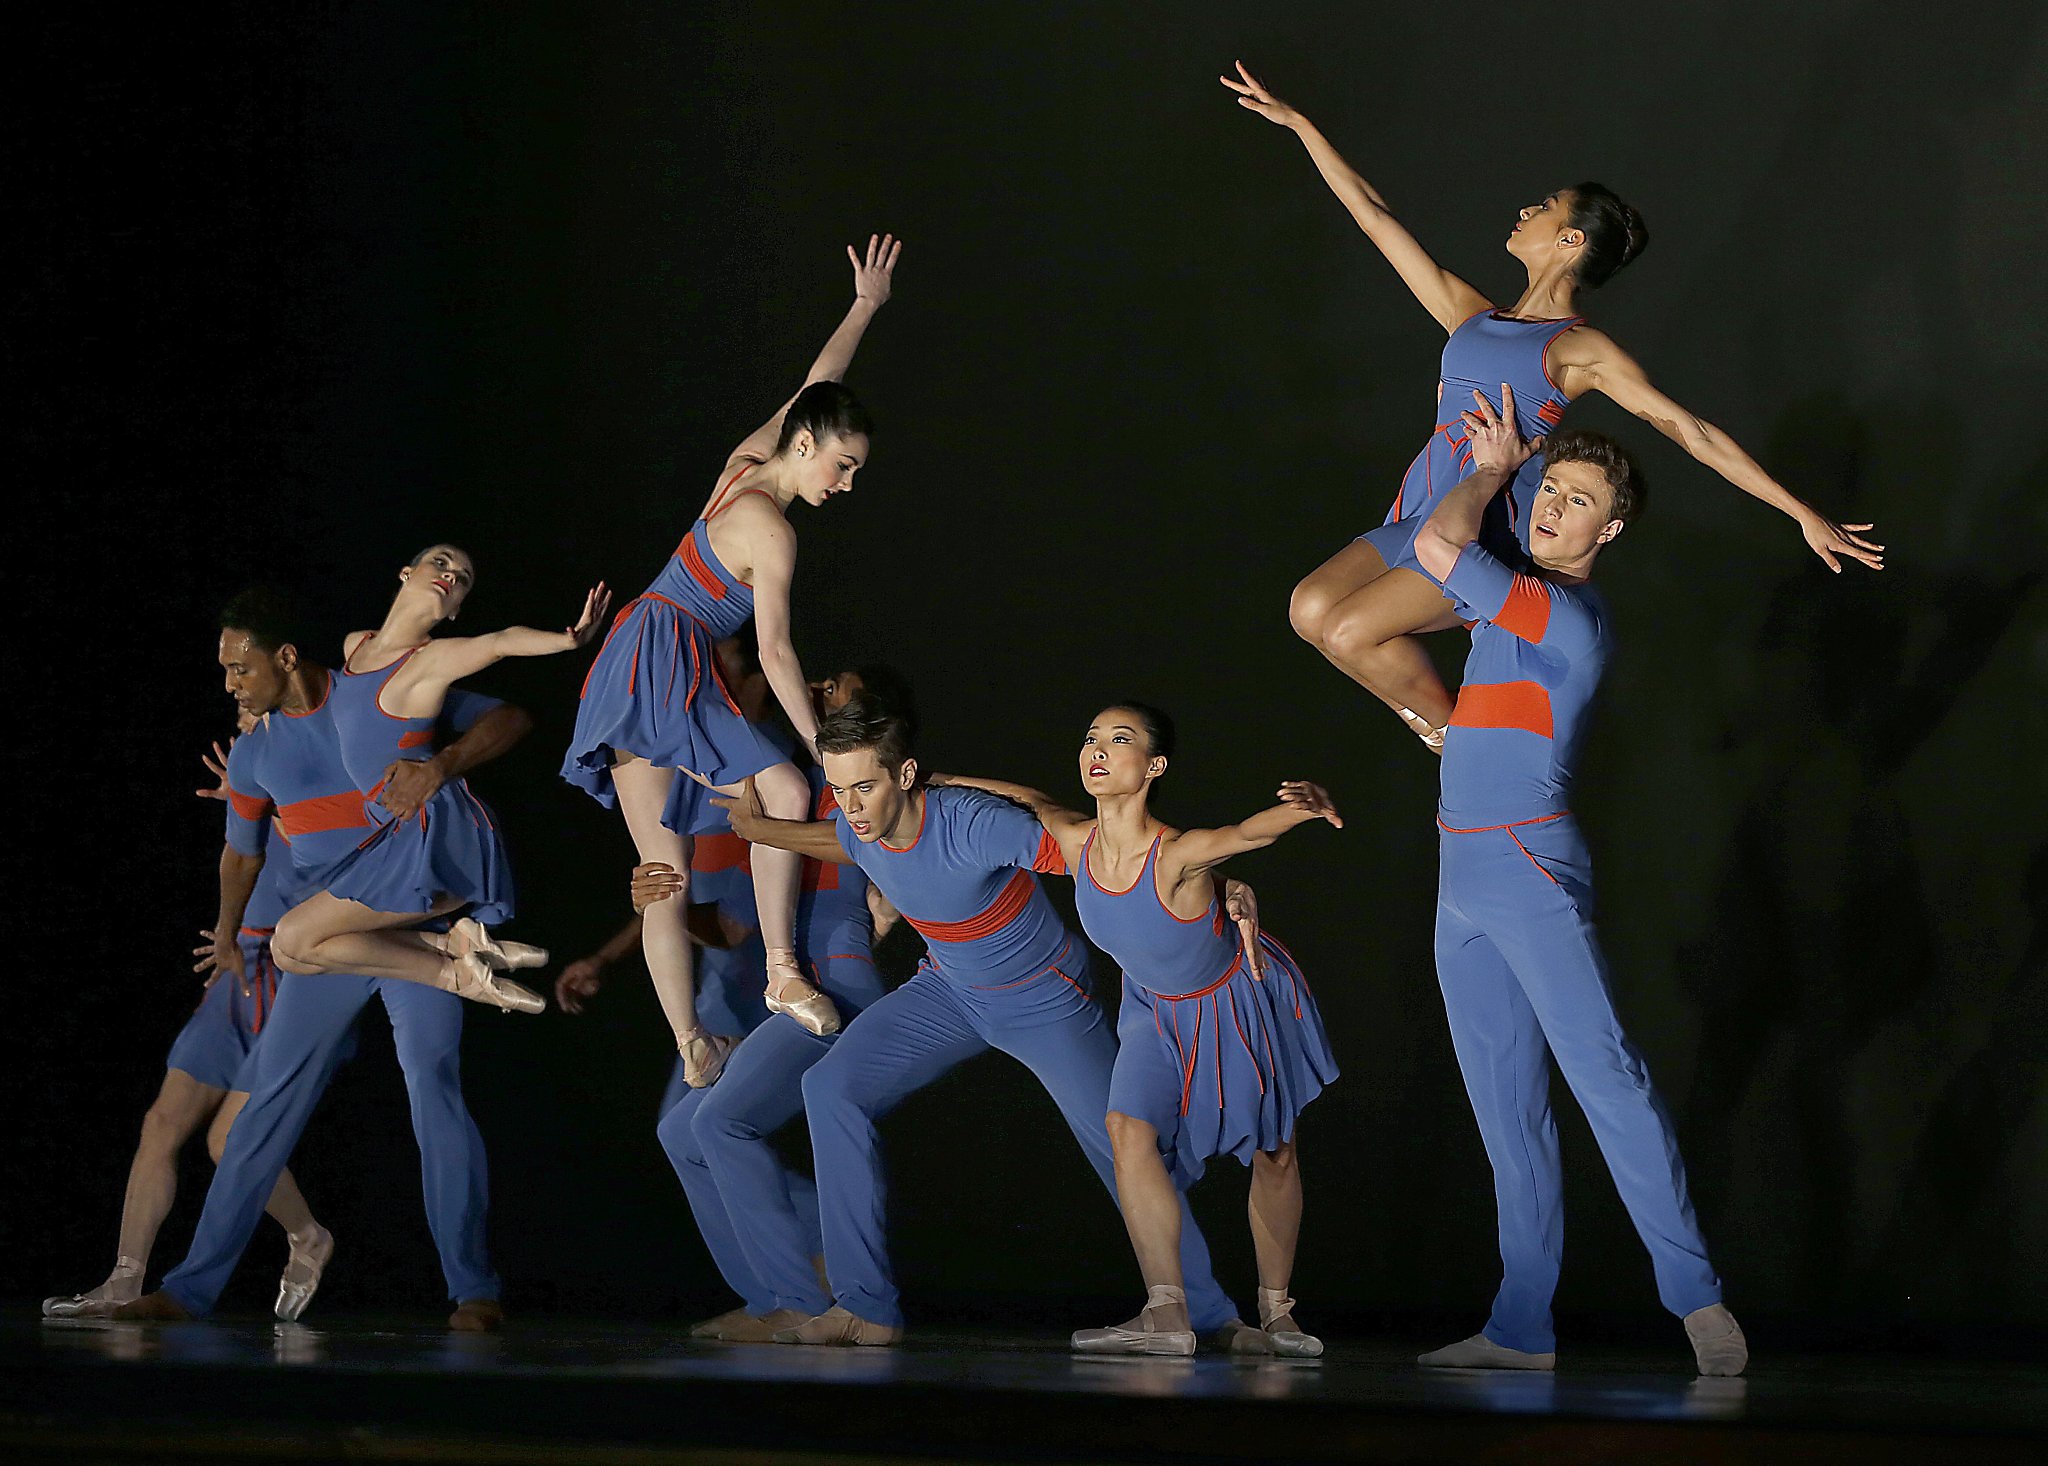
x=436, y=848
x=1361, y=607
x=655, y=702
x=1219, y=1047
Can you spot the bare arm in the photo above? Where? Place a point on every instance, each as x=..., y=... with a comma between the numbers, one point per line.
x=871, y=280
x=1590, y=361
x=418, y=688
x=1455, y=524
x=772, y=551
x=1064, y=825
x=1445, y=296
x=1194, y=852
x=882, y=910
x=819, y=839
x=238, y=874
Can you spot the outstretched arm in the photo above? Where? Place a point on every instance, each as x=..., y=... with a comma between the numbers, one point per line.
x=818, y=839
x=1061, y=823
x=1196, y=851
x=1591, y=362
x=1444, y=295
x=871, y=280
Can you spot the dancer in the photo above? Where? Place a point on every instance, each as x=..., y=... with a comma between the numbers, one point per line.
x=1361, y=607
x=291, y=764
x=654, y=702
x=1001, y=972
x=444, y=854
x=1216, y=1055
x=204, y=1088
x=1517, y=957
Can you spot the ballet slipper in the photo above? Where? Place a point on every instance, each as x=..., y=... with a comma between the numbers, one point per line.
x=302, y=1275
x=470, y=976
x=477, y=1316
x=1240, y=1338
x=153, y=1308
x=836, y=1327
x=814, y=1010
x=1432, y=737
x=1145, y=1338
x=1275, y=1307
x=123, y=1285
x=506, y=956
x=741, y=1327
x=704, y=1055
x=1480, y=1352
x=1717, y=1342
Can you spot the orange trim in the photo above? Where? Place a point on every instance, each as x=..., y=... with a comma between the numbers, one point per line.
x=326, y=686
x=1006, y=908
x=1520, y=705
x=1228, y=973
x=1551, y=412
x=257, y=932
x=1541, y=819
x=718, y=498
x=720, y=851
x=416, y=738
x=700, y=571
x=248, y=806
x=1568, y=323
x=1088, y=864
x=923, y=807
x=1527, y=611
x=1050, y=860
x=1534, y=861
x=344, y=811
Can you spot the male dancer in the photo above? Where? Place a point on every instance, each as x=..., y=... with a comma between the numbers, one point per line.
x=292, y=762
x=1001, y=972
x=203, y=1088
x=1517, y=958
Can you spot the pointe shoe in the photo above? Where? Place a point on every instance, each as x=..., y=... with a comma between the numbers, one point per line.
x=1480, y=1352
x=741, y=1327
x=123, y=1285
x=710, y=1051
x=1240, y=1338
x=477, y=1316
x=1144, y=1339
x=1432, y=737
x=301, y=1278
x=153, y=1308
x=470, y=976
x=815, y=1012
x=506, y=956
x=835, y=1326
x=1276, y=1307
x=1717, y=1342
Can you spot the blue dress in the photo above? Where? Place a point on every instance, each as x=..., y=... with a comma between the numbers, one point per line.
x=1215, y=1060
x=450, y=848
x=656, y=690
x=1485, y=350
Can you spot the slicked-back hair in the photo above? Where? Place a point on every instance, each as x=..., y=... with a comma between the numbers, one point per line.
x=1615, y=233
x=1624, y=475
x=829, y=410
x=867, y=722
x=414, y=562
x=270, y=617
x=1155, y=720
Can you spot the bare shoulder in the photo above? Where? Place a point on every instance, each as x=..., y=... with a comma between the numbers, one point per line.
x=734, y=473
x=351, y=642
x=1583, y=345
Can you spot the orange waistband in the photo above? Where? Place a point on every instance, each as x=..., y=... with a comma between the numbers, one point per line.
x=1541, y=819
x=1001, y=912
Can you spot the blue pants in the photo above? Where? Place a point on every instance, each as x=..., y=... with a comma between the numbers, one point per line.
x=1523, y=980
x=304, y=1039
x=910, y=1038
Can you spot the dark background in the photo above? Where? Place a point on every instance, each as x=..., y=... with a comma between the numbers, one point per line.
x=295, y=295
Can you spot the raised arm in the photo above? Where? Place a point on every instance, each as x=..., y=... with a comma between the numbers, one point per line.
x=1444, y=295
x=818, y=839
x=772, y=550
x=418, y=689
x=871, y=280
x=1590, y=361
x=1194, y=852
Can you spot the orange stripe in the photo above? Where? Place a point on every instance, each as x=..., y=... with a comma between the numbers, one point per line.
x=1004, y=910
x=716, y=852
x=248, y=806
x=1550, y=412
x=1541, y=819
x=328, y=812
x=703, y=574
x=1049, y=860
x=417, y=738
x=1523, y=705
x=1534, y=861
x=1527, y=612
x=258, y=931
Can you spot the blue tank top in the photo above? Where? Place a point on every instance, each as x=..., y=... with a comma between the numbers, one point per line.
x=371, y=738
x=1158, y=951
x=1484, y=351
x=697, y=584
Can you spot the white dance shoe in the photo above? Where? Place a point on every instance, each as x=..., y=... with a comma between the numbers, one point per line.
x=302, y=1275
x=505, y=956
x=1717, y=1342
x=1480, y=1352
x=470, y=976
x=815, y=1012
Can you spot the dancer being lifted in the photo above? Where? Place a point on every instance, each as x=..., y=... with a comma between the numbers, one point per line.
x=1362, y=606
x=1219, y=1045
x=655, y=702
x=444, y=853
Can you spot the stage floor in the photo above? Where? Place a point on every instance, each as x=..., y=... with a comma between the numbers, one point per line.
x=355, y=1389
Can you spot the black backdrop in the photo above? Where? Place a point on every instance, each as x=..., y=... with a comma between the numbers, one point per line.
x=302, y=293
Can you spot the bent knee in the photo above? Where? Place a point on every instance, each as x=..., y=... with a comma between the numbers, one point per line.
x=784, y=792
x=1308, y=610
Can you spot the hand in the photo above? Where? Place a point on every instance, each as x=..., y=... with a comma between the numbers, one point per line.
x=408, y=784
x=1496, y=441
x=1252, y=94
x=1310, y=799
x=216, y=765
x=937, y=781
x=1829, y=540
x=1241, y=905
x=654, y=881
x=223, y=958
x=579, y=980
x=871, y=275
x=595, y=605
x=749, y=816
